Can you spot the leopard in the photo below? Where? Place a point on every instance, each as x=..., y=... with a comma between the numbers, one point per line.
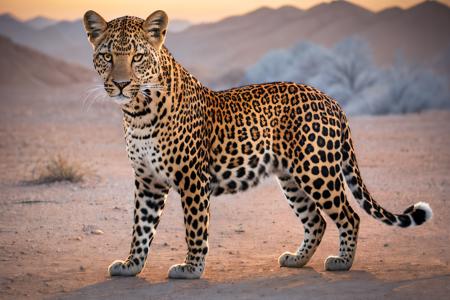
x=181, y=135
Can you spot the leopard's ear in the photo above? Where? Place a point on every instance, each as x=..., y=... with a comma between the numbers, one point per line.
x=156, y=26
x=95, y=26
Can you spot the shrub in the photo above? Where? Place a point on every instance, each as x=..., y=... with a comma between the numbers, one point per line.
x=59, y=169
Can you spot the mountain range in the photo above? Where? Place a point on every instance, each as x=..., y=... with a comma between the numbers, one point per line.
x=223, y=50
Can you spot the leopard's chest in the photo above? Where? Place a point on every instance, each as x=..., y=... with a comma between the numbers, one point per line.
x=145, y=155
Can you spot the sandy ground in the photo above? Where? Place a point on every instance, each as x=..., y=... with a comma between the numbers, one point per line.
x=47, y=250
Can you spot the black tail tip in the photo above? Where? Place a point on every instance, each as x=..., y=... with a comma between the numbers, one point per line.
x=420, y=212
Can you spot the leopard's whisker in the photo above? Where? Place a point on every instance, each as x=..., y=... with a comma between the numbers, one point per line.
x=90, y=92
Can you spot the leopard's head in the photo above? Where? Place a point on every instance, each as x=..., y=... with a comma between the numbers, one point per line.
x=127, y=52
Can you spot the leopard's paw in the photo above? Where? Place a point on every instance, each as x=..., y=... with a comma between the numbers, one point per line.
x=185, y=271
x=292, y=260
x=123, y=268
x=336, y=263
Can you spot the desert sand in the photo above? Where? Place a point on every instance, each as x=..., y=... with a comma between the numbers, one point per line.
x=49, y=249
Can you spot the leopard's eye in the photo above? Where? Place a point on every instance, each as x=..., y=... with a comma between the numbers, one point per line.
x=107, y=57
x=137, y=57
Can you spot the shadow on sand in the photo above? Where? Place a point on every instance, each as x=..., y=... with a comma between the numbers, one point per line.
x=307, y=284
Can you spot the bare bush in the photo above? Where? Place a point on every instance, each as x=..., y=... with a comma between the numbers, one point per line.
x=59, y=169
x=347, y=73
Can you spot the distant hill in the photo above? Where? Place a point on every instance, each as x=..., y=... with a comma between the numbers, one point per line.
x=225, y=49
x=40, y=22
x=13, y=28
x=21, y=66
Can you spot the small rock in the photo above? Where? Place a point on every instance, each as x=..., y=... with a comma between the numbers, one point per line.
x=78, y=238
x=386, y=245
x=165, y=244
x=97, y=232
x=92, y=229
x=82, y=269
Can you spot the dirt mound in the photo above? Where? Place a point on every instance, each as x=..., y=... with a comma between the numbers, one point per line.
x=20, y=65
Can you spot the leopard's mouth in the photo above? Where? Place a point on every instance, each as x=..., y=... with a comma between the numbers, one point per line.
x=121, y=99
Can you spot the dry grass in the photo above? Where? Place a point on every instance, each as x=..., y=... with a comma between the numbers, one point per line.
x=59, y=169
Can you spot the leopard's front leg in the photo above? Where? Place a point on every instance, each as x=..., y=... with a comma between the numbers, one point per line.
x=150, y=196
x=194, y=191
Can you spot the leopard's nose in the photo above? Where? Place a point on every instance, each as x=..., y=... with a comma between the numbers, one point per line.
x=121, y=84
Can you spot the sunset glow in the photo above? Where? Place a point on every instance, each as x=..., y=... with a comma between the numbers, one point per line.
x=194, y=10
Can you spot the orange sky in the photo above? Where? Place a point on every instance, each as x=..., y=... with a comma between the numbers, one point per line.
x=193, y=10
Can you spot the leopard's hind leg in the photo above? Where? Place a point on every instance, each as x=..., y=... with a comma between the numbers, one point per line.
x=314, y=225
x=329, y=194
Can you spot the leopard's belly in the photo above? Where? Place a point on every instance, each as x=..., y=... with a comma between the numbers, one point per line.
x=240, y=173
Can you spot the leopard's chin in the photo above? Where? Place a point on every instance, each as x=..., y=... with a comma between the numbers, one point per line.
x=121, y=99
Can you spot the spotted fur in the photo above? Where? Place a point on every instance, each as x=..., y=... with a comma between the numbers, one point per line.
x=180, y=134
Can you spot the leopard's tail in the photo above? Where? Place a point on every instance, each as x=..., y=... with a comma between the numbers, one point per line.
x=414, y=215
